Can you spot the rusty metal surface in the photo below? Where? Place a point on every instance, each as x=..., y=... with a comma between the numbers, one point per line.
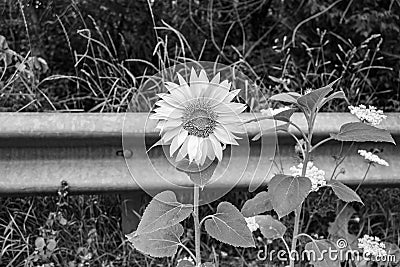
x=39, y=150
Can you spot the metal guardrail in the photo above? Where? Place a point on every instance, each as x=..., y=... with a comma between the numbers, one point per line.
x=39, y=150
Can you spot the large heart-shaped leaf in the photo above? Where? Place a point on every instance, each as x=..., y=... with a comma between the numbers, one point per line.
x=257, y=205
x=229, y=226
x=361, y=132
x=344, y=192
x=286, y=97
x=270, y=227
x=288, y=192
x=161, y=243
x=162, y=212
x=310, y=102
x=317, y=252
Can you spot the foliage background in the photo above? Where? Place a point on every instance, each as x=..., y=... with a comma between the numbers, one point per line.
x=307, y=43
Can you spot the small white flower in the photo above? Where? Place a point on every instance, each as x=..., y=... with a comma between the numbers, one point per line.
x=307, y=91
x=273, y=112
x=252, y=224
x=316, y=175
x=187, y=259
x=369, y=115
x=371, y=157
x=224, y=254
x=372, y=247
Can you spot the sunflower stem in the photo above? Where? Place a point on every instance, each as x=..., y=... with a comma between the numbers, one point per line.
x=196, y=223
x=297, y=212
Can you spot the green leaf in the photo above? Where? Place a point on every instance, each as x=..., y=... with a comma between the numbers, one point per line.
x=288, y=192
x=257, y=205
x=318, y=253
x=161, y=243
x=229, y=226
x=270, y=227
x=361, y=132
x=162, y=212
x=310, y=102
x=281, y=116
x=282, y=127
x=286, y=97
x=199, y=175
x=335, y=95
x=284, y=115
x=344, y=192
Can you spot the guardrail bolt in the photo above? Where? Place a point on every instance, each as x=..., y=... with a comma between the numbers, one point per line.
x=126, y=153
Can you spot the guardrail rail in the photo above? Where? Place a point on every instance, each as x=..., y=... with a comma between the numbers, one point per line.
x=40, y=150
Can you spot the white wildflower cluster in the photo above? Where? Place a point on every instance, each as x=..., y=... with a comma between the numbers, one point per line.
x=252, y=224
x=273, y=112
x=372, y=247
x=307, y=91
x=371, y=157
x=369, y=115
x=316, y=175
x=189, y=259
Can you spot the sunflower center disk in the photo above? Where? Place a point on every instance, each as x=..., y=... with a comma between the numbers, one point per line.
x=199, y=121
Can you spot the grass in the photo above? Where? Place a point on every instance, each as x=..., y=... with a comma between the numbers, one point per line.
x=103, y=77
x=87, y=230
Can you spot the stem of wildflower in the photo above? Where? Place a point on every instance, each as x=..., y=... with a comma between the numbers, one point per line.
x=320, y=143
x=196, y=223
x=188, y=251
x=358, y=187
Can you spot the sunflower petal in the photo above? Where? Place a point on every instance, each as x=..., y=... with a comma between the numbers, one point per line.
x=216, y=146
x=183, y=151
x=178, y=141
x=171, y=101
x=210, y=151
x=204, y=149
x=193, y=146
x=168, y=135
x=185, y=89
x=231, y=95
x=216, y=79
x=224, y=136
x=230, y=108
x=203, y=76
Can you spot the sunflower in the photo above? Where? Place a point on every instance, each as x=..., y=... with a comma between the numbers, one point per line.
x=198, y=119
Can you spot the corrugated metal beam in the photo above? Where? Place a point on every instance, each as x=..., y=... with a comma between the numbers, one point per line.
x=39, y=150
